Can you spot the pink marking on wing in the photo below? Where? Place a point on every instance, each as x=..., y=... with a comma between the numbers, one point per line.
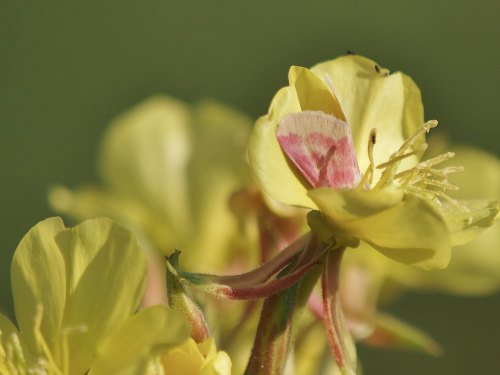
x=302, y=160
x=321, y=148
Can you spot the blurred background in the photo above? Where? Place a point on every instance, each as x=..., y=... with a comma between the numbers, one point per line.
x=67, y=67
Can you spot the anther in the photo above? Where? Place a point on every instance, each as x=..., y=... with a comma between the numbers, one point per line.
x=398, y=158
x=368, y=175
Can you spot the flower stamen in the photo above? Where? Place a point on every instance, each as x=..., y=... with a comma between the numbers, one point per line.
x=397, y=159
x=391, y=166
x=411, y=140
x=423, y=179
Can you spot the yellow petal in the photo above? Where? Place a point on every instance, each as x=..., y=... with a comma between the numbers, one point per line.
x=7, y=328
x=474, y=269
x=408, y=229
x=313, y=94
x=272, y=170
x=481, y=175
x=39, y=279
x=191, y=358
x=217, y=169
x=219, y=364
x=184, y=359
x=145, y=335
x=105, y=280
x=90, y=202
x=144, y=157
x=465, y=225
x=371, y=98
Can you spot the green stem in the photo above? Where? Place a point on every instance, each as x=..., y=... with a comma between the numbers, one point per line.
x=271, y=343
x=179, y=299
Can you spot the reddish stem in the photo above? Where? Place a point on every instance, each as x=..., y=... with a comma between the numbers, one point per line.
x=338, y=335
x=259, y=274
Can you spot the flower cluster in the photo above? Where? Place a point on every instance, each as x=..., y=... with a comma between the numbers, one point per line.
x=215, y=247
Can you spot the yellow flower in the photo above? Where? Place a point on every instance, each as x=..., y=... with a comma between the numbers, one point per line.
x=76, y=293
x=398, y=206
x=169, y=171
x=191, y=358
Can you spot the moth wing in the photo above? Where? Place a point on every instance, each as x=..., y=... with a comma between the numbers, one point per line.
x=321, y=147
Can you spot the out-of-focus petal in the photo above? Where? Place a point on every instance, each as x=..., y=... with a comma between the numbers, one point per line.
x=217, y=169
x=144, y=157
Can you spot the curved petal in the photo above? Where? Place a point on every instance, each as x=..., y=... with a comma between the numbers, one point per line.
x=409, y=230
x=196, y=359
x=481, y=175
x=475, y=266
x=271, y=168
x=184, y=359
x=105, y=280
x=217, y=169
x=268, y=162
x=90, y=202
x=467, y=223
x=219, y=364
x=39, y=281
x=373, y=98
x=146, y=334
x=474, y=269
x=144, y=156
x=313, y=94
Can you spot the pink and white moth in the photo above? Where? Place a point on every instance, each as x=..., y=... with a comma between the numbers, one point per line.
x=321, y=147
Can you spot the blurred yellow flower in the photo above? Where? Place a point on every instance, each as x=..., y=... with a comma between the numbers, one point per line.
x=169, y=171
x=76, y=293
x=191, y=358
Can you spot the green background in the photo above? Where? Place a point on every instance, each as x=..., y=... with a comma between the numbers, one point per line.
x=67, y=67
